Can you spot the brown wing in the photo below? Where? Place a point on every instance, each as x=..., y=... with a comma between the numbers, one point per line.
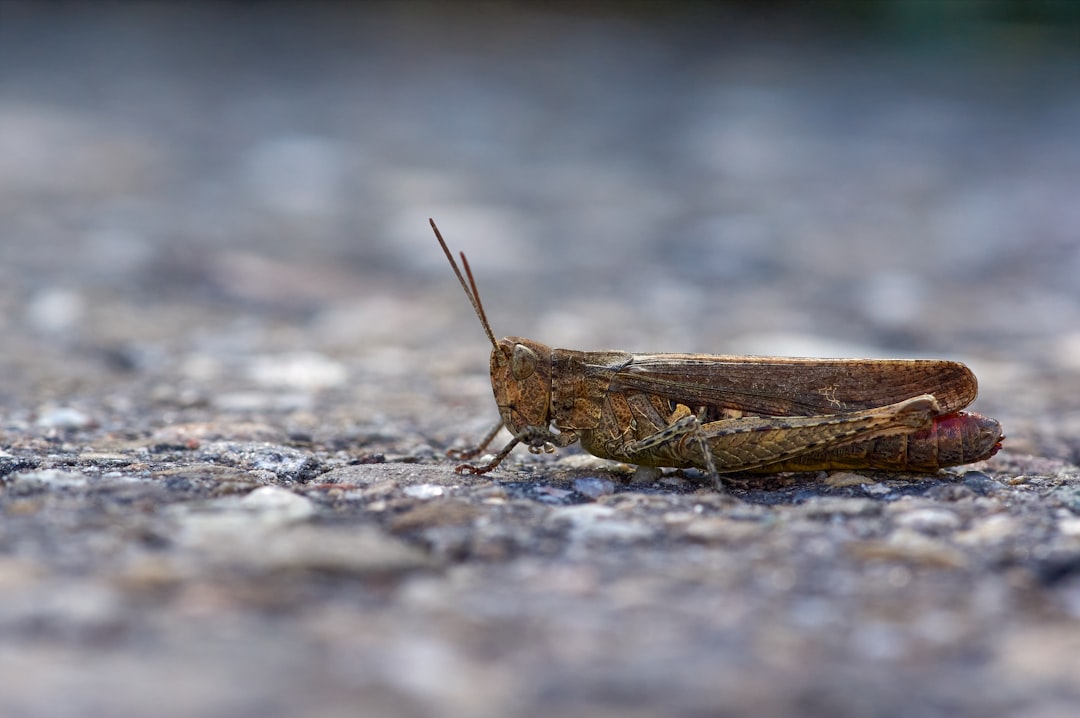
x=782, y=386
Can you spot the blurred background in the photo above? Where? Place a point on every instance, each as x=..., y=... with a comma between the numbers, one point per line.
x=181, y=181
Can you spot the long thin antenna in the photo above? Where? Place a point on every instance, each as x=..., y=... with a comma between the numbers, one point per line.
x=470, y=287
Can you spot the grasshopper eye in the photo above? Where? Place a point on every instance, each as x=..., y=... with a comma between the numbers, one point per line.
x=523, y=362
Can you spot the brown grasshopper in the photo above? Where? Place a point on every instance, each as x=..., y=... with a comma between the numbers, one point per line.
x=723, y=413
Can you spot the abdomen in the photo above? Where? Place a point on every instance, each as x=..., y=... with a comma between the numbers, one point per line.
x=953, y=439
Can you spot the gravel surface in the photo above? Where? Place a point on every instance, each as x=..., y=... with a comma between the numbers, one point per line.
x=232, y=360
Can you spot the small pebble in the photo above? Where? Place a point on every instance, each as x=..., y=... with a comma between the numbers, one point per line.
x=53, y=478
x=876, y=490
x=424, y=491
x=594, y=487
x=552, y=495
x=64, y=417
x=981, y=483
x=279, y=501
x=929, y=521
x=644, y=475
x=841, y=479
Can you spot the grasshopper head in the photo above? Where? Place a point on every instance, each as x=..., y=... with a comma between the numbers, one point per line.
x=520, y=368
x=521, y=380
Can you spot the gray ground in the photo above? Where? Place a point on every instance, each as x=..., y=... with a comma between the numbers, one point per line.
x=232, y=360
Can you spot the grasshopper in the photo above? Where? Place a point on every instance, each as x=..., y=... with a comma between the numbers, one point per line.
x=726, y=413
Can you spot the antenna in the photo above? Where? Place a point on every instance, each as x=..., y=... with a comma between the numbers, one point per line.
x=470, y=287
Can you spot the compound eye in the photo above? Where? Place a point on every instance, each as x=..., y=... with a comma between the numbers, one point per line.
x=523, y=362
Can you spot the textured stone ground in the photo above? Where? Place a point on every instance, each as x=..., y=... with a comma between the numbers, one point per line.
x=232, y=359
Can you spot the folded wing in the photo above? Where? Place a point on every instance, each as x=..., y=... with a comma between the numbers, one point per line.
x=783, y=386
